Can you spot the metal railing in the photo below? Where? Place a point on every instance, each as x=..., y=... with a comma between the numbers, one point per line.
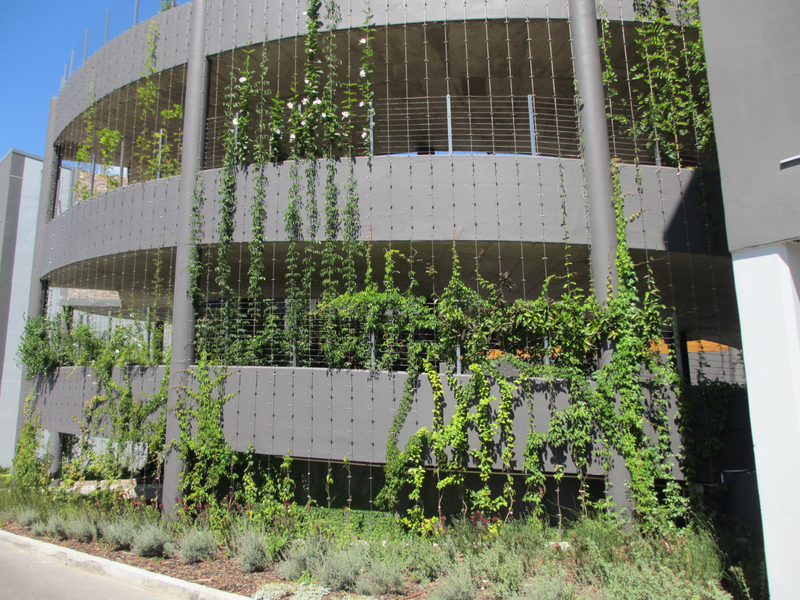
x=501, y=125
x=450, y=125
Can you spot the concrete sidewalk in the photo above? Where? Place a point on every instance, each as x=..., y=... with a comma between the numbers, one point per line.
x=35, y=570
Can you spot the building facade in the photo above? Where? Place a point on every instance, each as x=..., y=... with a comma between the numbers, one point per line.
x=253, y=180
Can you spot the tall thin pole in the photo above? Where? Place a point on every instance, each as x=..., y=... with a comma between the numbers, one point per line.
x=449, y=126
x=183, y=316
x=594, y=135
x=532, y=124
x=602, y=223
x=135, y=12
x=86, y=46
x=108, y=19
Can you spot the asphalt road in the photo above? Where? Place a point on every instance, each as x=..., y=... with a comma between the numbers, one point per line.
x=28, y=576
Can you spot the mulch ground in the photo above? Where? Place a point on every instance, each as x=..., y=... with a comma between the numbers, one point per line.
x=222, y=573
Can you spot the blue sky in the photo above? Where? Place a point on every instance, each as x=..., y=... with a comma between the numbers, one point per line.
x=36, y=40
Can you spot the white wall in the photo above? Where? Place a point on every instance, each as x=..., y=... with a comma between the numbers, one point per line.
x=769, y=312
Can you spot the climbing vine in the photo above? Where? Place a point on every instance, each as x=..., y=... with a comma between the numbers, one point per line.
x=669, y=83
x=156, y=149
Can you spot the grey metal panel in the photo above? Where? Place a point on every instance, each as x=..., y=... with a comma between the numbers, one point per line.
x=229, y=12
x=92, y=224
x=230, y=410
x=259, y=19
x=241, y=382
x=282, y=414
x=339, y=421
x=319, y=414
x=302, y=412
x=247, y=408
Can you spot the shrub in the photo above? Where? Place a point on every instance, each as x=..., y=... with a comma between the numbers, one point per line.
x=693, y=553
x=652, y=580
x=197, y=545
x=252, y=551
x=119, y=534
x=524, y=540
x=82, y=527
x=310, y=591
x=500, y=570
x=39, y=529
x=150, y=540
x=383, y=577
x=341, y=569
x=305, y=556
x=547, y=587
x=456, y=586
x=27, y=516
x=57, y=526
x=428, y=561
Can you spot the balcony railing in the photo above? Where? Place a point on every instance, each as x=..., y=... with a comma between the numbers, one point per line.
x=450, y=125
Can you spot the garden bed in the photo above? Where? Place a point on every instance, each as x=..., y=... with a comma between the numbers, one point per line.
x=221, y=573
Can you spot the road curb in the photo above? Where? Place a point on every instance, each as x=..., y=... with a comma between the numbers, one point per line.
x=154, y=582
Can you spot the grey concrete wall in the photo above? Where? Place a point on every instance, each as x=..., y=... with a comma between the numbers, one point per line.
x=503, y=198
x=318, y=414
x=754, y=80
x=135, y=217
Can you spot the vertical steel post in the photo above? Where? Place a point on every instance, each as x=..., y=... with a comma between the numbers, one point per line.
x=86, y=46
x=135, y=13
x=122, y=165
x=183, y=316
x=449, y=127
x=108, y=19
x=160, y=139
x=371, y=129
x=532, y=124
x=71, y=60
x=657, y=152
x=597, y=158
x=147, y=335
x=91, y=176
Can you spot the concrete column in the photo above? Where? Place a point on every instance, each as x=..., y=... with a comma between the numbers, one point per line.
x=767, y=281
x=594, y=135
x=183, y=317
x=597, y=157
x=47, y=196
x=54, y=450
